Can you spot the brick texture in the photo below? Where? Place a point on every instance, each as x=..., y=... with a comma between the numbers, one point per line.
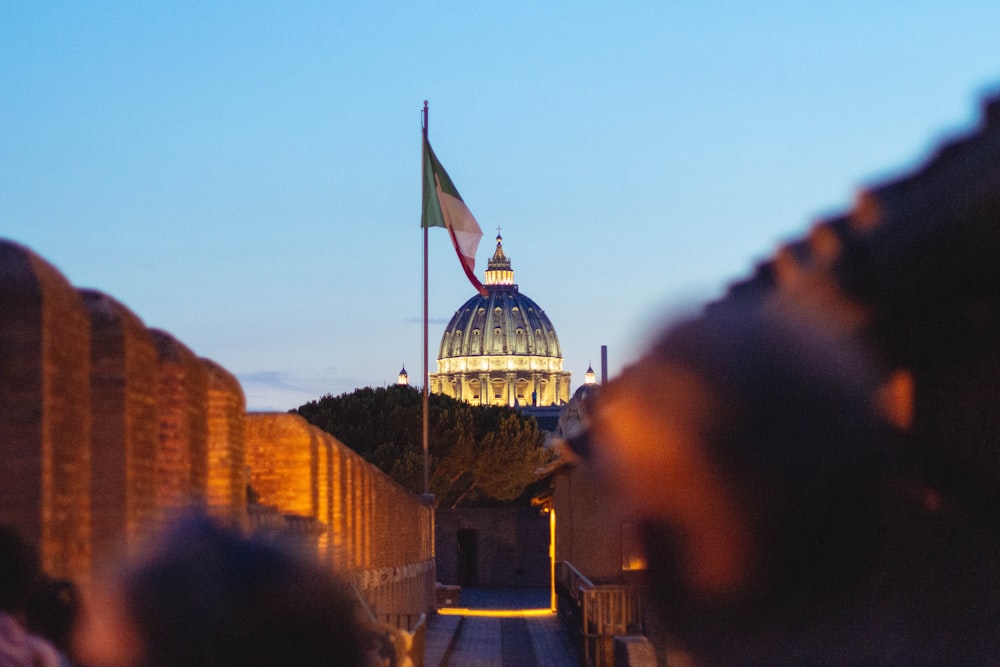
x=109, y=429
x=125, y=426
x=226, y=477
x=44, y=410
x=182, y=456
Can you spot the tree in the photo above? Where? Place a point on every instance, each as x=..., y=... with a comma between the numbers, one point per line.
x=507, y=457
x=478, y=454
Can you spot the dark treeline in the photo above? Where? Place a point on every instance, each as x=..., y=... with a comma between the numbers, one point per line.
x=480, y=455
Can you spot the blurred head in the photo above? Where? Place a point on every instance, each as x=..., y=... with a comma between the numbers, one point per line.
x=747, y=445
x=51, y=611
x=211, y=597
x=18, y=569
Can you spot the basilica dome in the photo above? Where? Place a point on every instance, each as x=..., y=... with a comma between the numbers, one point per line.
x=501, y=348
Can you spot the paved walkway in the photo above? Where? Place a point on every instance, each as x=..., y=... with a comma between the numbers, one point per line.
x=516, y=640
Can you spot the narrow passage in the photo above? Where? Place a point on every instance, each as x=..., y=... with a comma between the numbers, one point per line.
x=515, y=643
x=509, y=642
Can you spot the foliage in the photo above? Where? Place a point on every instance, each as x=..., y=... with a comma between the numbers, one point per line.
x=478, y=454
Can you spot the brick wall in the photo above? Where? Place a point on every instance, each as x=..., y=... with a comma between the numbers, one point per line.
x=279, y=449
x=44, y=410
x=181, y=400
x=226, y=472
x=366, y=525
x=108, y=429
x=125, y=427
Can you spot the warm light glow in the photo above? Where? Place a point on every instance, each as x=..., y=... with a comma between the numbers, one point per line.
x=404, y=378
x=633, y=555
x=461, y=386
x=552, y=558
x=499, y=277
x=589, y=377
x=495, y=613
x=895, y=399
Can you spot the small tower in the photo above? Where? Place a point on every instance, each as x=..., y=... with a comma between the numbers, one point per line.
x=589, y=377
x=403, y=379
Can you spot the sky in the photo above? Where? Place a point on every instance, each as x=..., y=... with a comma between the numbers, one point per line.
x=246, y=175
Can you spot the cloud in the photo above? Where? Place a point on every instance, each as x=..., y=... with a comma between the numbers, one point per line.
x=280, y=391
x=275, y=380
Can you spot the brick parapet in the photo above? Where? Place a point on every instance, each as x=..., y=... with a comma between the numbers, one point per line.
x=109, y=429
x=226, y=465
x=182, y=457
x=44, y=401
x=125, y=426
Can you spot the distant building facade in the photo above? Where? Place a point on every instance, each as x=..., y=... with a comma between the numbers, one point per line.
x=501, y=349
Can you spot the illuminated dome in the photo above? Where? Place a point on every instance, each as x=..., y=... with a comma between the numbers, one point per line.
x=503, y=341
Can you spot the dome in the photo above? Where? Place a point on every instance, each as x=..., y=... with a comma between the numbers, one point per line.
x=494, y=336
x=504, y=322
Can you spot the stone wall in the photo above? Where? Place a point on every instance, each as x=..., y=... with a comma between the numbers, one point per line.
x=493, y=547
x=108, y=429
x=590, y=526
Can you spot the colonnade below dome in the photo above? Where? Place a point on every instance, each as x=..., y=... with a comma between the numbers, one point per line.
x=502, y=380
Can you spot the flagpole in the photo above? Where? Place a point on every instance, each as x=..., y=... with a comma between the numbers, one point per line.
x=426, y=377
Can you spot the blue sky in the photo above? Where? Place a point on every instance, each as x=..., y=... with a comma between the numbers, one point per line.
x=246, y=175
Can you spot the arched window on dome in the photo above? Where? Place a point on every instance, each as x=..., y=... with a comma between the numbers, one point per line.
x=519, y=345
x=456, y=348
x=475, y=345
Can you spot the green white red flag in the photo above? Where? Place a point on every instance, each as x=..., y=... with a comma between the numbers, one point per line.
x=443, y=207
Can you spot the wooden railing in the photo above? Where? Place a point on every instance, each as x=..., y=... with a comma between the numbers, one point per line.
x=604, y=611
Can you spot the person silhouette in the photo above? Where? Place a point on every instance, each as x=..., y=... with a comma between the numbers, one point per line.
x=209, y=596
x=19, y=572
x=749, y=444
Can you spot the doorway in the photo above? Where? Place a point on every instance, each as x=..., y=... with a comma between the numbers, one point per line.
x=468, y=557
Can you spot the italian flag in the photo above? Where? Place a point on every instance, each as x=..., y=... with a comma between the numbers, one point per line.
x=443, y=207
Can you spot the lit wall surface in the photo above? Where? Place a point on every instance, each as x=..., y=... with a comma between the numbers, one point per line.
x=110, y=429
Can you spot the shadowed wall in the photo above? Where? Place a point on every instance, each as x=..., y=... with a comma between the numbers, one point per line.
x=44, y=410
x=125, y=428
x=182, y=455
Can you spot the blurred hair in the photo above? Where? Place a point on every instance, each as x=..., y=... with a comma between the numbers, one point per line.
x=18, y=569
x=211, y=597
x=792, y=431
x=52, y=610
